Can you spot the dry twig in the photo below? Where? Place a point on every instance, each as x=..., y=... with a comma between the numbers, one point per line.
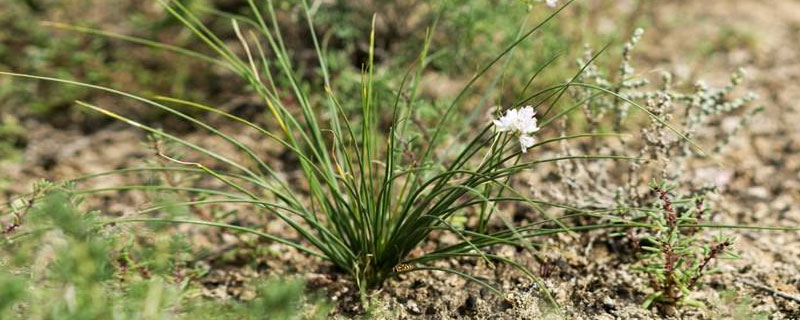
x=770, y=290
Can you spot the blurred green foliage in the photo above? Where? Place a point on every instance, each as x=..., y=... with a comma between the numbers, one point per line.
x=29, y=45
x=482, y=27
x=464, y=36
x=64, y=264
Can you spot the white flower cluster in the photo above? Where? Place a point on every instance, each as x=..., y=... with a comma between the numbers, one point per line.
x=551, y=3
x=523, y=122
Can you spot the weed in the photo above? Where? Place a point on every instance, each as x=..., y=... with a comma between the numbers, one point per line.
x=673, y=250
x=676, y=255
x=698, y=111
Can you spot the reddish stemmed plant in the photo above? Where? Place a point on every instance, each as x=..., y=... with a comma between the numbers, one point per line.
x=676, y=254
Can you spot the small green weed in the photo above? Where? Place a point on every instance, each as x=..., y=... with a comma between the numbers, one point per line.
x=678, y=254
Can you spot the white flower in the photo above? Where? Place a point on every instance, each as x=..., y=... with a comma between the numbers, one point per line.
x=526, y=142
x=526, y=120
x=523, y=122
x=507, y=122
x=551, y=3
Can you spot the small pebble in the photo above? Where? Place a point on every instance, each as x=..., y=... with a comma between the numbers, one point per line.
x=758, y=192
x=609, y=303
x=412, y=307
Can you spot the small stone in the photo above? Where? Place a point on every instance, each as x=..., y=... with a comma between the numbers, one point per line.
x=609, y=303
x=413, y=308
x=758, y=192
